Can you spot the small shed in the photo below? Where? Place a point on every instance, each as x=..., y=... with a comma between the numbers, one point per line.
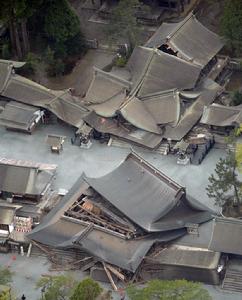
x=20, y=117
x=23, y=181
x=55, y=142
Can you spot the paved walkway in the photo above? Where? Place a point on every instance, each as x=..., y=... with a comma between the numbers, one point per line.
x=96, y=161
x=100, y=159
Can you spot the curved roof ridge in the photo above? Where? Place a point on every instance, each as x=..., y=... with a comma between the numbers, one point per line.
x=157, y=94
x=180, y=24
x=113, y=77
x=137, y=114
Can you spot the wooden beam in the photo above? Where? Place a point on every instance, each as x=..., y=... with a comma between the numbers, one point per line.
x=41, y=248
x=109, y=277
x=116, y=272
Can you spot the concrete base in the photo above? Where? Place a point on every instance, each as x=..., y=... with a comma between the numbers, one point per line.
x=87, y=145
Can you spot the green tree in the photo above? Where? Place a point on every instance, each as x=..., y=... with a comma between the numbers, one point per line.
x=56, y=287
x=87, y=289
x=169, y=290
x=6, y=51
x=237, y=98
x=231, y=25
x=49, y=56
x=123, y=23
x=5, y=276
x=62, y=26
x=5, y=280
x=64, y=36
x=31, y=65
x=14, y=14
x=224, y=186
x=5, y=292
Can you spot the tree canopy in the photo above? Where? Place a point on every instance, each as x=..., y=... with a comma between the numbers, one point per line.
x=5, y=292
x=224, y=185
x=5, y=276
x=14, y=14
x=237, y=98
x=52, y=23
x=56, y=287
x=5, y=280
x=169, y=290
x=87, y=289
x=123, y=23
x=65, y=287
x=231, y=25
x=61, y=23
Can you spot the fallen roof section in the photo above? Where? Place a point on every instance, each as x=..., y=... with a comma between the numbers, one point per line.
x=60, y=231
x=134, y=111
x=18, y=115
x=6, y=69
x=226, y=236
x=105, y=86
x=160, y=201
x=109, y=108
x=24, y=90
x=62, y=103
x=160, y=72
x=126, y=254
x=67, y=108
x=208, y=93
x=156, y=109
x=164, y=106
x=23, y=180
x=222, y=116
x=137, y=136
x=136, y=184
x=189, y=39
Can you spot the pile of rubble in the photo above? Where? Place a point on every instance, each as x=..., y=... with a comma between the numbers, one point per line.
x=119, y=218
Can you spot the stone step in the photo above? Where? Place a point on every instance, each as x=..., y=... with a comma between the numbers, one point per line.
x=234, y=276
x=163, y=149
x=233, y=281
x=233, y=273
x=233, y=289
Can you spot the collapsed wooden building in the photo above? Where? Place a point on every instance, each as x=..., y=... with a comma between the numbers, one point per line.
x=135, y=218
x=158, y=96
x=161, y=92
x=100, y=215
x=25, y=188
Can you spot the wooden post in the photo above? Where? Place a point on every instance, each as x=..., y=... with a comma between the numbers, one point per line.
x=29, y=250
x=109, y=277
x=116, y=272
